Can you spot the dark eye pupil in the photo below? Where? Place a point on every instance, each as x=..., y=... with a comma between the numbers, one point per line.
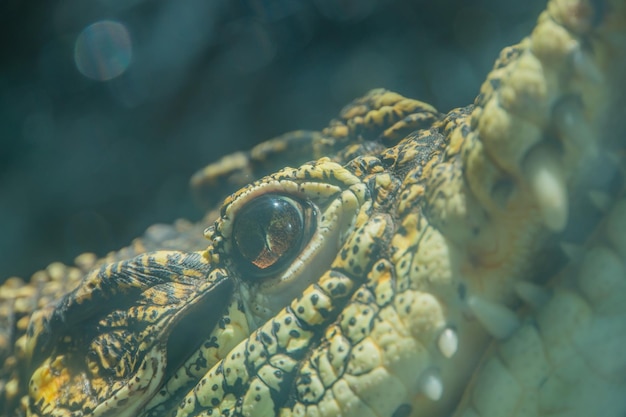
x=268, y=232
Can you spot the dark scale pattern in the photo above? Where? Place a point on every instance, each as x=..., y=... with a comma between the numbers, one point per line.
x=414, y=231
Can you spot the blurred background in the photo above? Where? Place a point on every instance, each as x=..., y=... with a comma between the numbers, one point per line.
x=107, y=107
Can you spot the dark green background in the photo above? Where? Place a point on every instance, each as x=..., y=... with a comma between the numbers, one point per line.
x=87, y=165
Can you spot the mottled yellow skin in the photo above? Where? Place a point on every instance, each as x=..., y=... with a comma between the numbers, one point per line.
x=422, y=280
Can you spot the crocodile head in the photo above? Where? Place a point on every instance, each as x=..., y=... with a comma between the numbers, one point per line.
x=369, y=281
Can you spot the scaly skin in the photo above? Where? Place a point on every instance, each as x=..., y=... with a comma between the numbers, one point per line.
x=372, y=280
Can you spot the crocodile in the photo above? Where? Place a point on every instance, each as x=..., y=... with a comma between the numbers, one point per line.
x=407, y=262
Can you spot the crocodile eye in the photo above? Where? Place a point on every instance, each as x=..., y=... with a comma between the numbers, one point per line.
x=270, y=231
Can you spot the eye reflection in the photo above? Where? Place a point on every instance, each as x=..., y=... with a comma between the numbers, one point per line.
x=269, y=232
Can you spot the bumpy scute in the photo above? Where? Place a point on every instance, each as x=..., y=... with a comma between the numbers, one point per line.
x=426, y=276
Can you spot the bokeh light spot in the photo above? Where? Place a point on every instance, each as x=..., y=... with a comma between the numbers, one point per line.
x=103, y=50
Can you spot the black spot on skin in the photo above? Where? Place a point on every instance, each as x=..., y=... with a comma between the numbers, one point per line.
x=288, y=320
x=355, y=249
x=339, y=289
x=301, y=310
x=352, y=321
x=266, y=338
x=211, y=343
x=294, y=333
x=314, y=299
